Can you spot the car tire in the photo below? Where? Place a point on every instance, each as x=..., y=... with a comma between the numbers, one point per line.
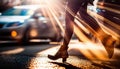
x=57, y=37
x=25, y=39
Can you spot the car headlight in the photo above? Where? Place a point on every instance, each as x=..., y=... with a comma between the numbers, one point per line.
x=33, y=33
x=13, y=24
x=14, y=33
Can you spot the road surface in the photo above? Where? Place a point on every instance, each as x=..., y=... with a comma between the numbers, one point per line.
x=34, y=56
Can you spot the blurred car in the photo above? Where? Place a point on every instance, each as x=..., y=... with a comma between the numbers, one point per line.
x=107, y=14
x=5, y=4
x=21, y=24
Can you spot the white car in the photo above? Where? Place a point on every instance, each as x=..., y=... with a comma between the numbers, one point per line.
x=22, y=24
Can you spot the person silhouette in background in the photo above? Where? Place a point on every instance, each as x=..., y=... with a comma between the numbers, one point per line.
x=74, y=6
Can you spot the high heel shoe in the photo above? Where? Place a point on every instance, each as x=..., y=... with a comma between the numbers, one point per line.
x=62, y=53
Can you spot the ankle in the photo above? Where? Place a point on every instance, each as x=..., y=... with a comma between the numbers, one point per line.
x=108, y=40
x=64, y=47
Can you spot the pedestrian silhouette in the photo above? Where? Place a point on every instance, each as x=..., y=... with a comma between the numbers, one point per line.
x=74, y=6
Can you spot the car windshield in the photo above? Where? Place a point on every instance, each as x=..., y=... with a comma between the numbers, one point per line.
x=17, y=12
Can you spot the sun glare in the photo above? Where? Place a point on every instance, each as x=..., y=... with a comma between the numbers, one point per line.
x=88, y=49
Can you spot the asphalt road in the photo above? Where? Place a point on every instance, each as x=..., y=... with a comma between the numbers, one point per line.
x=34, y=56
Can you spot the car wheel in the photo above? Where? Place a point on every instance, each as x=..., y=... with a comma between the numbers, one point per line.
x=57, y=37
x=25, y=38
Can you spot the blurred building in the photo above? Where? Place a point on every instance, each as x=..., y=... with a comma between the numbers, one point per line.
x=5, y=4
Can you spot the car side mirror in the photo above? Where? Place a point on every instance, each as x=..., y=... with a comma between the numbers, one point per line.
x=36, y=16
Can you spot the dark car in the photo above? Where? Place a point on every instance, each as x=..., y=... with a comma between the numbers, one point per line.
x=5, y=4
x=21, y=23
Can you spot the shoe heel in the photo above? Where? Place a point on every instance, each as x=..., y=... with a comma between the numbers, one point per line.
x=64, y=60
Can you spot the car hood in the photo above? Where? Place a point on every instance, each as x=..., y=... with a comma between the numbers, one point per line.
x=7, y=19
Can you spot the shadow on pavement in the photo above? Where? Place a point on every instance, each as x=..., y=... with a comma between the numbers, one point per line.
x=102, y=65
x=19, y=44
x=108, y=64
x=66, y=65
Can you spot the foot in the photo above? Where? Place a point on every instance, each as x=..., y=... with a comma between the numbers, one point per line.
x=62, y=53
x=109, y=43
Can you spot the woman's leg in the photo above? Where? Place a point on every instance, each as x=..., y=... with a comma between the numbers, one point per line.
x=107, y=40
x=73, y=6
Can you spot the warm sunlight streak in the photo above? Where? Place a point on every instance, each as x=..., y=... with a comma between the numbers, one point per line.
x=80, y=34
x=54, y=13
x=56, y=18
x=108, y=21
x=91, y=50
x=104, y=19
x=13, y=51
